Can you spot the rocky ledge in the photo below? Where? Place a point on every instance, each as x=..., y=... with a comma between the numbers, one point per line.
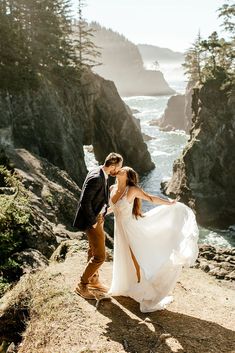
x=218, y=262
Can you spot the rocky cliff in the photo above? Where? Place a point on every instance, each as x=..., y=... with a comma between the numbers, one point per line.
x=123, y=64
x=55, y=121
x=178, y=113
x=204, y=175
x=173, y=117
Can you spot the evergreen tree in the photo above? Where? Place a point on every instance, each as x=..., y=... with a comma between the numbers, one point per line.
x=227, y=12
x=193, y=61
x=15, y=60
x=86, y=49
x=213, y=57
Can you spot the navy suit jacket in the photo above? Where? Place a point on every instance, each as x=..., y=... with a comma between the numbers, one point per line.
x=94, y=195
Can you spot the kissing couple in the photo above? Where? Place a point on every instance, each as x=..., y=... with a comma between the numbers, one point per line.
x=150, y=248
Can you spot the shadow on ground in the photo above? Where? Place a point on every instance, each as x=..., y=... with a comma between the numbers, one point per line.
x=163, y=331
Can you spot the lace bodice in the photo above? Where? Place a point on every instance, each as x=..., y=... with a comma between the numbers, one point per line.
x=122, y=208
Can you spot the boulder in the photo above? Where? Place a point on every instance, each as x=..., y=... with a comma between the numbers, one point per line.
x=30, y=260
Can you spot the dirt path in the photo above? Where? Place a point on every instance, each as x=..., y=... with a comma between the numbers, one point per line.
x=200, y=320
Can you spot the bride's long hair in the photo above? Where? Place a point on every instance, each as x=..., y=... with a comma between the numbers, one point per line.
x=133, y=180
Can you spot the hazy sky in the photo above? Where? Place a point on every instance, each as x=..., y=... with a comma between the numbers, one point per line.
x=165, y=23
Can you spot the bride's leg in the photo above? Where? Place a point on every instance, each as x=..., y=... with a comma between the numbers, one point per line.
x=137, y=267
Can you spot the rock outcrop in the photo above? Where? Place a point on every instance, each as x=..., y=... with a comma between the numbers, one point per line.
x=218, y=262
x=123, y=64
x=204, y=175
x=53, y=198
x=110, y=127
x=173, y=117
x=55, y=122
x=178, y=113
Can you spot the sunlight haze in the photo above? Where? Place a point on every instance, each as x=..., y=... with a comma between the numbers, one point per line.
x=165, y=23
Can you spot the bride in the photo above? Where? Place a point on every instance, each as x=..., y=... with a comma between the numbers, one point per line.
x=151, y=248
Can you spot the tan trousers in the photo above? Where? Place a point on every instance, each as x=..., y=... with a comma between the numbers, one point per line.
x=96, y=251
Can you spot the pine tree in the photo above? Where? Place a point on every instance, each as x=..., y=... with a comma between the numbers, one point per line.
x=193, y=61
x=15, y=60
x=87, y=51
x=227, y=12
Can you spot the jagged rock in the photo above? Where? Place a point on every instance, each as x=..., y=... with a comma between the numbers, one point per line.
x=219, y=258
x=53, y=198
x=205, y=267
x=231, y=275
x=206, y=247
x=203, y=176
x=66, y=248
x=226, y=266
x=55, y=122
x=135, y=111
x=215, y=261
x=178, y=113
x=219, y=273
x=188, y=114
x=173, y=117
x=147, y=137
x=109, y=126
x=208, y=255
x=70, y=247
x=30, y=260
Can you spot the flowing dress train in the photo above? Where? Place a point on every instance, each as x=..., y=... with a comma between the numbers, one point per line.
x=163, y=241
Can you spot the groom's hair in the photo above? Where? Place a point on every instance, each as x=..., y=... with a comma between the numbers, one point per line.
x=113, y=159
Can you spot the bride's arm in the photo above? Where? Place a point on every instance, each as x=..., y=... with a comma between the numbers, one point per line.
x=141, y=194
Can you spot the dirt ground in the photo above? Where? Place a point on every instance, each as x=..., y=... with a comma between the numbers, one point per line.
x=200, y=320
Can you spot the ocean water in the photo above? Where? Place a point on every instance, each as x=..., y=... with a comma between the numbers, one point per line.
x=164, y=148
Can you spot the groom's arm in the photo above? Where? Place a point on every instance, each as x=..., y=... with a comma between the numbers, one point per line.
x=91, y=187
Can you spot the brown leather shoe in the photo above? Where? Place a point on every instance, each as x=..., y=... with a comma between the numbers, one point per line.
x=99, y=286
x=83, y=291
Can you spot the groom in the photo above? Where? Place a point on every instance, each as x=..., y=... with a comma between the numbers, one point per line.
x=91, y=210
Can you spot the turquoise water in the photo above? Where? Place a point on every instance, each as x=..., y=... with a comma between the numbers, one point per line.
x=164, y=148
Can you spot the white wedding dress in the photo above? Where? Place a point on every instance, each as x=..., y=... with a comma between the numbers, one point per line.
x=163, y=241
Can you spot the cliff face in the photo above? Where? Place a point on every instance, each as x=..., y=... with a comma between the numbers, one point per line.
x=54, y=122
x=112, y=127
x=53, y=198
x=178, y=113
x=123, y=64
x=173, y=117
x=204, y=175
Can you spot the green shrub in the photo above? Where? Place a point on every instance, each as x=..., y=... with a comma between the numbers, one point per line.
x=14, y=225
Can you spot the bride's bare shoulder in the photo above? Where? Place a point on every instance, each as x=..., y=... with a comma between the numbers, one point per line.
x=132, y=190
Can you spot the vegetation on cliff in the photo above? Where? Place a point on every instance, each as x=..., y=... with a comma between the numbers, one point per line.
x=203, y=176
x=213, y=58
x=14, y=224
